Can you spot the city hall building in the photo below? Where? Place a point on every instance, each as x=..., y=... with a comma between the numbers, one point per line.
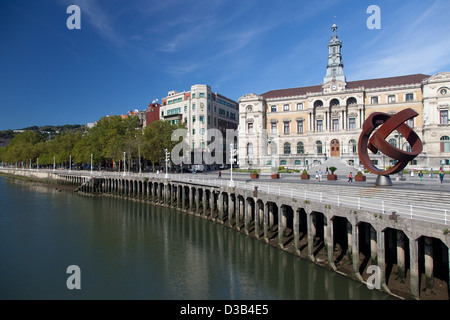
x=303, y=127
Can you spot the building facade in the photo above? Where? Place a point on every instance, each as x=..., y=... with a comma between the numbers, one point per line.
x=201, y=110
x=303, y=127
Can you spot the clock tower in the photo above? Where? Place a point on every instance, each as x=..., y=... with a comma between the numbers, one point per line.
x=335, y=78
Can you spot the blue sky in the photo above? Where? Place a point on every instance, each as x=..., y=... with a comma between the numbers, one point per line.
x=129, y=53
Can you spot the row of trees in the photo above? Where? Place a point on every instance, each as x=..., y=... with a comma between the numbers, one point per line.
x=106, y=141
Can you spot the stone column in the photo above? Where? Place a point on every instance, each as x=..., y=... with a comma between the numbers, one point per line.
x=197, y=201
x=258, y=216
x=190, y=199
x=211, y=202
x=220, y=206
x=271, y=215
x=311, y=234
x=266, y=222
x=349, y=238
x=247, y=210
x=355, y=250
x=414, y=267
x=183, y=198
x=380, y=257
x=281, y=225
x=231, y=209
x=330, y=243
x=296, y=230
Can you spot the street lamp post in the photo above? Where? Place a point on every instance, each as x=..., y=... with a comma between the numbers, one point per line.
x=124, y=166
x=232, y=151
x=91, y=162
x=166, y=176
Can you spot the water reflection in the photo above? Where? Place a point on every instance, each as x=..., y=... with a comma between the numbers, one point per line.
x=131, y=250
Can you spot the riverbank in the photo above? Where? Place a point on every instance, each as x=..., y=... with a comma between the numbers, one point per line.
x=323, y=246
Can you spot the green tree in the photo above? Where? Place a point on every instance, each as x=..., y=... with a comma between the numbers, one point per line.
x=156, y=139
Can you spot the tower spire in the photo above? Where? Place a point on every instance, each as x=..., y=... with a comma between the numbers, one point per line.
x=335, y=66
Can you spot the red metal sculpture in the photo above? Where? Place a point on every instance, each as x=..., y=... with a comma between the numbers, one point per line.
x=377, y=141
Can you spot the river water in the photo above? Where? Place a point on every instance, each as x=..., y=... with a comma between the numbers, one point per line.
x=131, y=250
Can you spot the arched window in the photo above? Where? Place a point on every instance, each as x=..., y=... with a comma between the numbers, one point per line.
x=445, y=144
x=300, y=148
x=334, y=102
x=298, y=162
x=351, y=100
x=406, y=147
x=249, y=149
x=287, y=148
x=393, y=142
x=352, y=146
x=318, y=104
x=319, y=148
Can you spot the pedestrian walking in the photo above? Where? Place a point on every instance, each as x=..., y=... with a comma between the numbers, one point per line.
x=350, y=177
x=441, y=175
x=320, y=174
x=317, y=175
x=220, y=175
x=431, y=173
x=420, y=175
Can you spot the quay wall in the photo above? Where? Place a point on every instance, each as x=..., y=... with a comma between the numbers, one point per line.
x=404, y=257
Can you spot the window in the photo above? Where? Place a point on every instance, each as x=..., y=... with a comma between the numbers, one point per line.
x=300, y=126
x=374, y=100
x=298, y=162
x=202, y=118
x=319, y=125
x=352, y=123
x=250, y=127
x=299, y=106
x=286, y=127
x=193, y=106
x=283, y=162
x=319, y=148
x=393, y=142
x=202, y=130
x=201, y=95
x=193, y=131
x=444, y=117
x=352, y=146
x=286, y=107
x=391, y=98
x=445, y=144
x=334, y=103
x=185, y=108
x=318, y=104
x=202, y=144
x=273, y=108
x=410, y=122
x=193, y=119
x=335, y=124
x=406, y=147
x=300, y=148
x=249, y=149
x=273, y=127
x=409, y=97
x=193, y=96
x=287, y=148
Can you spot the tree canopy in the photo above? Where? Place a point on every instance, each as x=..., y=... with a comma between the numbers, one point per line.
x=106, y=141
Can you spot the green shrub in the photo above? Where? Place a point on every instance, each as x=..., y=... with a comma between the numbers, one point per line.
x=332, y=169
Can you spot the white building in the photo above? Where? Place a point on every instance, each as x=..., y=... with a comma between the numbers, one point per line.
x=200, y=110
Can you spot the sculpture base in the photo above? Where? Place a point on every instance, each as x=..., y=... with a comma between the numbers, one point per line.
x=383, y=181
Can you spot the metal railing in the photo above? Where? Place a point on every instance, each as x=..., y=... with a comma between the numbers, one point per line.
x=376, y=205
